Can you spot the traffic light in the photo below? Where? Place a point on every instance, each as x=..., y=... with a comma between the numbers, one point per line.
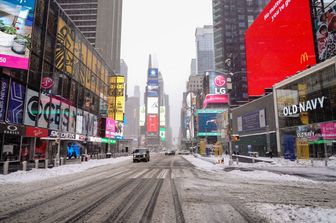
x=235, y=138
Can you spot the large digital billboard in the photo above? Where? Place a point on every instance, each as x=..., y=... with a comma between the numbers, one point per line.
x=152, y=105
x=279, y=44
x=16, y=21
x=152, y=123
x=162, y=116
x=207, y=124
x=153, y=73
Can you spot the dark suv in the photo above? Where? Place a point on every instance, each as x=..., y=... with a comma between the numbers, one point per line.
x=140, y=155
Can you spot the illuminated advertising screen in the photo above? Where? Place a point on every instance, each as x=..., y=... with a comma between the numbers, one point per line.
x=207, y=124
x=279, y=44
x=152, y=123
x=325, y=28
x=16, y=21
x=153, y=91
x=120, y=99
x=162, y=116
x=163, y=134
x=152, y=105
x=110, y=128
x=153, y=73
x=119, y=128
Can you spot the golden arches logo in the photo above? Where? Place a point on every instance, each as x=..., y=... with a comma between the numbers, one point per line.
x=304, y=57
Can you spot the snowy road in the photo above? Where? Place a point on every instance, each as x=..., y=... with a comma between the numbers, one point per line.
x=167, y=189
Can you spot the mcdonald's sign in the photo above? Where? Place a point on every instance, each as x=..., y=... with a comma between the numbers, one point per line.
x=304, y=57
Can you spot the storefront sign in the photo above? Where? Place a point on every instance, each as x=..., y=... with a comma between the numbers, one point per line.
x=3, y=97
x=310, y=105
x=108, y=141
x=80, y=137
x=62, y=135
x=11, y=129
x=95, y=139
x=47, y=83
x=328, y=130
x=36, y=132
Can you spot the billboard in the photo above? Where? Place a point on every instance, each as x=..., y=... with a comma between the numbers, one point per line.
x=142, y=116
x=4, y=86
x=324, y=28
x=153, y=91
x=252, y=121
x=16, y=20
x=152, y=105
x=279, y=44
x=207, y=124
x=16, y=102
x=110, y=130
x=153, y=73
x=162, y=134
x=152, y=123
x=119, y=130
x=162, y=116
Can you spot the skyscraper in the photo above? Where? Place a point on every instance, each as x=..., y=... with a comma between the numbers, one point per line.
x=205, y=49
x=100, y=22
x=231, y=18
x=193, y=66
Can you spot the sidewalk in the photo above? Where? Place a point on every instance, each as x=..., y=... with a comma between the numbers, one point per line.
x=302, y=168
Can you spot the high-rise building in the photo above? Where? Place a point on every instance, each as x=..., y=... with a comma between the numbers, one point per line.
x=131, y=129
x=231, y=18
x=193, y=66
x=205, y=49
x=136, y=91
x=195, y=83
x=100, y=22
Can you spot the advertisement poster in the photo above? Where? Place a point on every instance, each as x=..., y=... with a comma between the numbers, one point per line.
x=328, y=130
x=152, y=105
x=110, y=128
x=16, y=22
x=217, y=83
x=40, y=149
x=16, y=101
x=153, y=73
x=3, y=97
x=72, y=119
x=85, y=123
x=45, y=110
x=252, y=121
x=152, y=123
x=163, y=134
x=153, y=91
x=325, y=33
x=55, y=111
x=283, y=35
x=207, y=122
x=120, y=108
x=119, y=130
x=32, y=106
x=65, y=117
x=79, y=121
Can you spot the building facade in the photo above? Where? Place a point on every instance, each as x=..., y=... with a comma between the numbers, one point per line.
x=231, y=18
x=59, y=100
x=204, y=49
x=100, y=22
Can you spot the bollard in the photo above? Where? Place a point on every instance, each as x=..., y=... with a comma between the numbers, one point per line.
x=46, y=163
x=237, y=160
x=253, y=160
x=62, y=161
x=36, y=164
x=326, y=163
x=5, y=167
x=55, y=162
x=312, y=162
x=24, y=166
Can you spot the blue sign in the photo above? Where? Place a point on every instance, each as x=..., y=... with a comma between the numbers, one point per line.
x=153, y=73
x=153, y=82
x=16, y=100
x=3, y=97
x=207, y=125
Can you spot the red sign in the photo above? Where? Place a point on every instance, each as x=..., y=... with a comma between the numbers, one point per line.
x=152, y=123
x=215, y=99
x=279, y=44
x=220, y=81
x=47, y=83
x=36, y=132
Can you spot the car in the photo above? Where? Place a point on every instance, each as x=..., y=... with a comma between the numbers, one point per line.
x=170, y=152
x=141, y=155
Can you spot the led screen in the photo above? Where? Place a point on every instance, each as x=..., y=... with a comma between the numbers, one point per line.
x=279, y=44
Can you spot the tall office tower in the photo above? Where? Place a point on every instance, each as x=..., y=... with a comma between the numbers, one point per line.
x=205, y=49
x=231, y=18
x=136, y=91
x=132, y=129
x=193, y=67
x=100, y=22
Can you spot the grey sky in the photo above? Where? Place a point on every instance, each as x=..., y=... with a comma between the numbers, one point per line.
x=165, y=28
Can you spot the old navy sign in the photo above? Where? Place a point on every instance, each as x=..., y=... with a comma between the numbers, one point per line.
x=306, y=106
x=62, y=135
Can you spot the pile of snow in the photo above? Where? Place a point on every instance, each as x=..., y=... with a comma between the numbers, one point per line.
x=203, y=164
x=294, y=213
x=41, y=174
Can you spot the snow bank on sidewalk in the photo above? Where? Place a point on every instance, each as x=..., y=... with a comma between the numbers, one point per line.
x=41, y=174
x=294, y=213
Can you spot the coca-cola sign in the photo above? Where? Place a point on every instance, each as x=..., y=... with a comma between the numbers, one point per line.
x=36, y=132
x=47, y=83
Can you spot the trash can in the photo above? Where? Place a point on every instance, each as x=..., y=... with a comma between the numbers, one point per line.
x=108, y=155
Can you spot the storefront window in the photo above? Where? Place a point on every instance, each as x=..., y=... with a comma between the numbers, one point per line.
x=40, y=149
x=11, y=148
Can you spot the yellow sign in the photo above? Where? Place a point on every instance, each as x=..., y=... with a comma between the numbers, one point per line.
x=120, y=108
x=304, y=57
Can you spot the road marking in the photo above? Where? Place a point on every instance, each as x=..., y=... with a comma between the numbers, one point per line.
x=136, y=175
x=150, y=174
x=163, y=174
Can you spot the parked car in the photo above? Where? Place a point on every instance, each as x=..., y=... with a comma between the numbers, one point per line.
x=170, y=152
x=141, y=155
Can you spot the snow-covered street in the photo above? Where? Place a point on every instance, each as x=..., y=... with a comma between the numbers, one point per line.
x=166, y=189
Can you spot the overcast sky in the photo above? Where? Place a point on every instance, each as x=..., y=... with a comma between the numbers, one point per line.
x=166, y=29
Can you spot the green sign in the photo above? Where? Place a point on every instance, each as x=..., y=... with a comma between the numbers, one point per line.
x=109, y=141
x=163, y=134
x=208, y=134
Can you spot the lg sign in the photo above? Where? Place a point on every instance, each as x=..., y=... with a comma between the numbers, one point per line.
x=220, y=84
